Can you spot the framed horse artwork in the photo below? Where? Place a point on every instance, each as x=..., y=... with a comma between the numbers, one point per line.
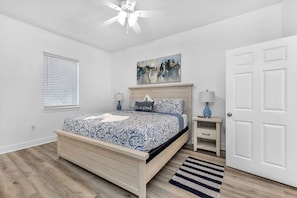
x=160, y=70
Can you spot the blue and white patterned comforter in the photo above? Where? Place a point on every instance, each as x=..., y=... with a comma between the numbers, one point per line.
x=137, y=130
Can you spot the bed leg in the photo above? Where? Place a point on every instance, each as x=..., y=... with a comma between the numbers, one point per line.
x=142, y=195
x=142, y=180
x=142, y=191
x=58, y=147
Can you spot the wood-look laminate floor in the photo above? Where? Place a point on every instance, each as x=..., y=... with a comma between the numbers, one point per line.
x=36, y=172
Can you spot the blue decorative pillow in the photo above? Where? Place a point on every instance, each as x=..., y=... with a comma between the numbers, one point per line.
x=144, y=106
x=169, y=105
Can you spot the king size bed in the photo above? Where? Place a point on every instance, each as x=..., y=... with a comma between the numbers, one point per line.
x=128, y=167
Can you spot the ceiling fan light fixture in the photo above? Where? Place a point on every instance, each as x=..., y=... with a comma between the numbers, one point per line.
x=127, y=15
x=132, y=19
x=122, y=17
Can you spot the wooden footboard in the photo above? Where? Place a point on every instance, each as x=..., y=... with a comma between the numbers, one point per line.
x=122, y=166
x=119, y=165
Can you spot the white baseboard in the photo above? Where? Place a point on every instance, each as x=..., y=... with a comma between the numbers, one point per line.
x=23, y=145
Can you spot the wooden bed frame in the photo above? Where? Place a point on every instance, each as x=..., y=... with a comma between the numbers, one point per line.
x=122, y=166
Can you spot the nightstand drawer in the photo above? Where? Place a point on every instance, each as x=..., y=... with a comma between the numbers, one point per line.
x=207, y=133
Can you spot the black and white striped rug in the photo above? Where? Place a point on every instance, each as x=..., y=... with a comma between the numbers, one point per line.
x=201, y=178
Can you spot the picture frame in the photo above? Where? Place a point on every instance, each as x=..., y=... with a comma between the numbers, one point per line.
x=159, y=70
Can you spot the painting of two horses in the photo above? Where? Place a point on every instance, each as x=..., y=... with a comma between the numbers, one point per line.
x=160, y=70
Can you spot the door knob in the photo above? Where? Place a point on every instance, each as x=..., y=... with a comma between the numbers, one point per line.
x=229, y=114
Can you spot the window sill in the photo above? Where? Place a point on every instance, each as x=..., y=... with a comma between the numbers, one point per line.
x=61, y=108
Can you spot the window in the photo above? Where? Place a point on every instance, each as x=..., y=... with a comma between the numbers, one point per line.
x=60, y=87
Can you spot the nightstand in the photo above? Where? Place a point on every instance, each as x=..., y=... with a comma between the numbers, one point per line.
x=207, y=134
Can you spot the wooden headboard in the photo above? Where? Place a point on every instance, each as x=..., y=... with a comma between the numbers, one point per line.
x=180, y=90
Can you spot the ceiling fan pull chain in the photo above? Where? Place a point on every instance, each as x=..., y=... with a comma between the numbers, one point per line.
x=127, y=30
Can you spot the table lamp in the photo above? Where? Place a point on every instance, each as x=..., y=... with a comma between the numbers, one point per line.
x=207, y=96
x=119, y=97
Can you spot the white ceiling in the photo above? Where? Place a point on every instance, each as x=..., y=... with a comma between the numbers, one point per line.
x=81, y=19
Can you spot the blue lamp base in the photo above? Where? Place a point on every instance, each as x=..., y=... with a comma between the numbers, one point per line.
x=119, y=106
x=207, y=111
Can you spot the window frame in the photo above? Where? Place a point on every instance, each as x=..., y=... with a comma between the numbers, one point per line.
x=45, y=66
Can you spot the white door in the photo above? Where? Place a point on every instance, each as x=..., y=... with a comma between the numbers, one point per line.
x=261, y=106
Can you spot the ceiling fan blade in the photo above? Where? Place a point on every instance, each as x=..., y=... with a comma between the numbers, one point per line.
x=136, y=28
x=144, y=13
x=131, y=3
x=110, y=21
x=111, y=5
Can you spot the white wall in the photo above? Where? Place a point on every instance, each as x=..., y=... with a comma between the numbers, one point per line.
x=21, y=70
x=203, y=54
x=21, y=81
x=289, y=17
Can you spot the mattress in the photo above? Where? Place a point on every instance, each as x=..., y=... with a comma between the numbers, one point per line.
x=142, y=131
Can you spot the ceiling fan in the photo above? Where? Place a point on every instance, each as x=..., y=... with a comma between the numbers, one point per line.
x=127, y=14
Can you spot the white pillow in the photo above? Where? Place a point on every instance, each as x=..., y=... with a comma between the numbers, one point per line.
x=148, y=98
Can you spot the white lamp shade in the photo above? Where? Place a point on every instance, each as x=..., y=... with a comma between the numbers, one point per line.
x=122, y=17
x=119, y=97
x=132, y=19
x=207, y=96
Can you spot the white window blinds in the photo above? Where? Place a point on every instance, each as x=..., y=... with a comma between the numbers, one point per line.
x=60, y=88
